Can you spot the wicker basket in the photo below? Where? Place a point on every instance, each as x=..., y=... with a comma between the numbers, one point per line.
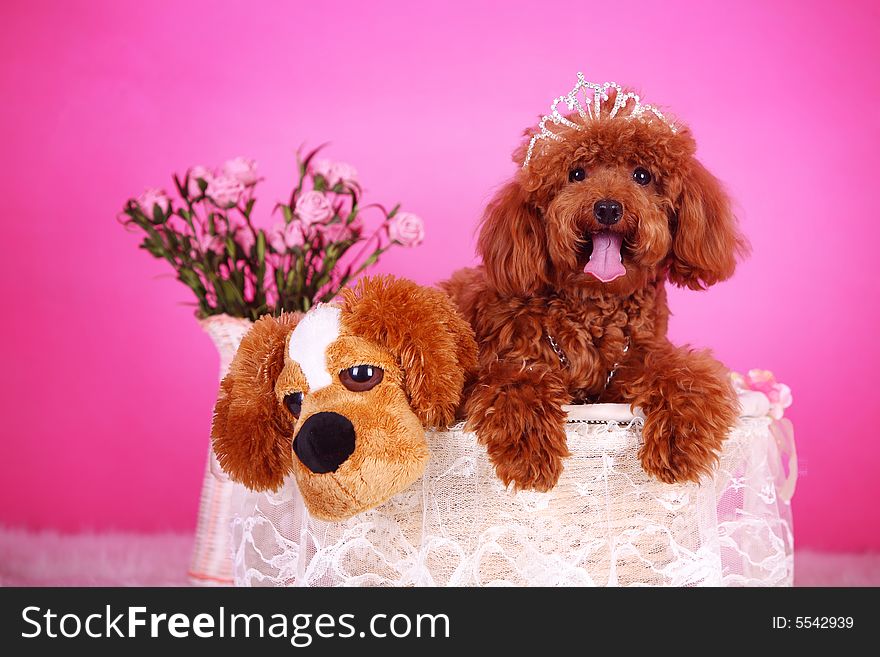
x=211, y=563
x=606, y=523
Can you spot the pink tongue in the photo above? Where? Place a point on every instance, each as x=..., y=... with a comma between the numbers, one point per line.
x=605, y=261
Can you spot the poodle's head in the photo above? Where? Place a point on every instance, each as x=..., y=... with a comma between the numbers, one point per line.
x=612, y=204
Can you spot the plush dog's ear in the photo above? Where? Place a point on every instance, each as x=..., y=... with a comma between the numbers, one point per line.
x=706, y=242
x=420, y=326
x=252, y=433
x=513, y=243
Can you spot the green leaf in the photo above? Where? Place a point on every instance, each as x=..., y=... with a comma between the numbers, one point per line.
x=181, y=185
x=288, y=213
x=260, y=277
x=320, y=183
x=249, y=207
x=291, y=278
x=141, y=221
x=153, y=248
x=237, y=277
x=261, y=247
x=189, y=278
x=158, y=216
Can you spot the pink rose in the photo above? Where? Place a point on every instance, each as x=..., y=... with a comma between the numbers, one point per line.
x=177, y=224
x=241, y=170
x=406, y=229
x=225, y=191
x=313, y=208
x=249, y=289
x=339, y=231
x=207, y=242
x=335, y=172
x=271, y=292
x=151, y=198
x=284, y=236
x=236, y=222
x=194, y=174
x=244, y=238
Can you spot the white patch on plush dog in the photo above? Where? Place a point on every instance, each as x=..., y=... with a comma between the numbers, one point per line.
x=309, y=342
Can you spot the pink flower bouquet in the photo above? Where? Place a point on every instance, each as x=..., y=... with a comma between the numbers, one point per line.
x=206, y=233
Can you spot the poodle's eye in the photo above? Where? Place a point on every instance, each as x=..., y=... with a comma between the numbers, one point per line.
x=294, y=403
x=361, y=378
x=642, y=176
x=576, y=175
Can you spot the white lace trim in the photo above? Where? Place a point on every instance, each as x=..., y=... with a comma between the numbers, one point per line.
x=606, y=523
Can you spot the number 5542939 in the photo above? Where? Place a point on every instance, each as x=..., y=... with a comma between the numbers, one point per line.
x=823, y=622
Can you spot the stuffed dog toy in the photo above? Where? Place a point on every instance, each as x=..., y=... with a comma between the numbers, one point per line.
x=569, y=305
x=341, y=396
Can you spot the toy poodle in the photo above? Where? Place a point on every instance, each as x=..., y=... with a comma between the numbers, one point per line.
x=569, y=305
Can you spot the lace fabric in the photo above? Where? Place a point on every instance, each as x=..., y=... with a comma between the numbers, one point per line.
x=605, y=524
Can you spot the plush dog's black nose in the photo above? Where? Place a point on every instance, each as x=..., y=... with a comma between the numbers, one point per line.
x=607, y=211
x=324, y=442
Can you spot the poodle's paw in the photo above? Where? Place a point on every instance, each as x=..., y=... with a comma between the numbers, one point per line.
x=526, y=466
x=524, y=437
x=682, y=443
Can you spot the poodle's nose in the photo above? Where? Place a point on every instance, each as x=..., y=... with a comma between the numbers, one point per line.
x=608, y=211
x=324, y=442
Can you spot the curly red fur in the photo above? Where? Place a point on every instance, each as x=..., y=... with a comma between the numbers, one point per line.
x=535, y=240
x=689, y=408
x=524, y=404
x=251, y=431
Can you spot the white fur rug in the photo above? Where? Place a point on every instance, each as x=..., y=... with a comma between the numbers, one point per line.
x=123, y=559
x=107, y=559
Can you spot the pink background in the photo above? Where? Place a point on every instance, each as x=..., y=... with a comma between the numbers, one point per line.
x=109, y=382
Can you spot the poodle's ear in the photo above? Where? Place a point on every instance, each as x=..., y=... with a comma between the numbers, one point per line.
x=513, y=243
x=434, y=346
x=252, y=433
x=706, y=241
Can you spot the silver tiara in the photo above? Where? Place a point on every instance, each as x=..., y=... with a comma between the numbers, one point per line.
x=589, y=107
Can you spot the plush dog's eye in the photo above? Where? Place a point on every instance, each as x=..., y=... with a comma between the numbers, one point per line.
x=294, y=403
x=361, y=378
x=576, y=175
x=642, y=176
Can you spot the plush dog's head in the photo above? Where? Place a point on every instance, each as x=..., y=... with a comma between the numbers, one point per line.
x=611, y=203
x=340, y=396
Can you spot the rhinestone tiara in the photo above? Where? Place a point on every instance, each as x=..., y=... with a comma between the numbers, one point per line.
x=589, y=106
